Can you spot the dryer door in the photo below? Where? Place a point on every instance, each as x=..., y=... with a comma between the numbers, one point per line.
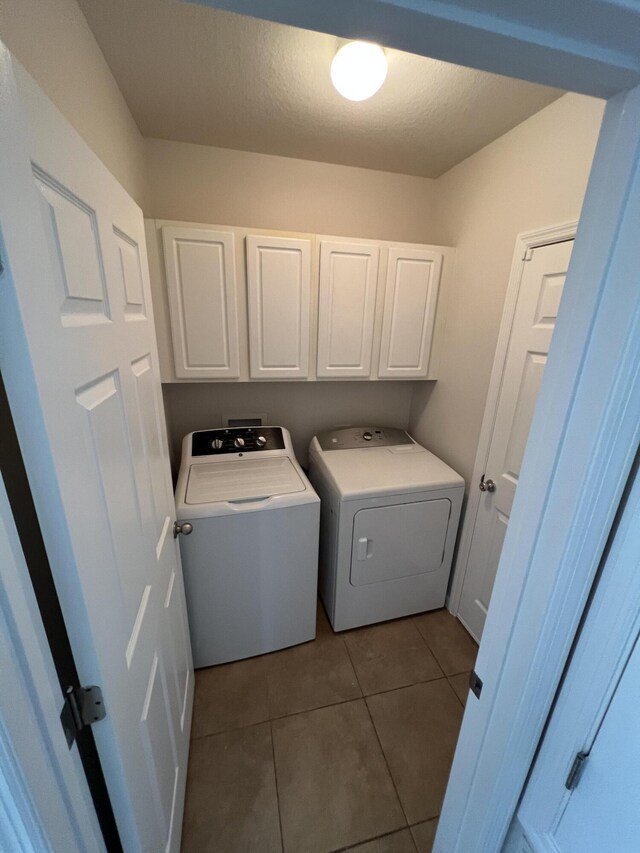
x=397, y=541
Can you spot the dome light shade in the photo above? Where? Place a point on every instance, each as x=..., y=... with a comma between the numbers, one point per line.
x=358, y=70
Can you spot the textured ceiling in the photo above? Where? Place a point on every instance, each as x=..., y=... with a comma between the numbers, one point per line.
x=195, y=74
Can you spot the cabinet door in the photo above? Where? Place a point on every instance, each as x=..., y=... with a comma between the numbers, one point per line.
x=201, y=283
x=348, y=277
x=411, y=296
x=278, y=295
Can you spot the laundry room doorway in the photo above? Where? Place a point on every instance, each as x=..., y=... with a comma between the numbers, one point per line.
x=540, y=264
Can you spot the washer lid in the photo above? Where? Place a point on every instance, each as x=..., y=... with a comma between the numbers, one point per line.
x=242, y=479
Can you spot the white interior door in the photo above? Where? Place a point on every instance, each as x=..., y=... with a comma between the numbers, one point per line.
x=80, y=364
x=602, y=813
x=57, y=814
x=595, y=715
x=534, y=320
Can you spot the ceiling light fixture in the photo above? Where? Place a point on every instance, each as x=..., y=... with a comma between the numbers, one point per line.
x=358, y=70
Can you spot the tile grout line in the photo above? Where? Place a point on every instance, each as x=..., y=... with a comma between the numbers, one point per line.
x=373, y=725
x=330, y=704
x=449, y=677
x=275, y=776
x=408, y=827
x=415, y=618
x=425, y=641
x=374, y=838
x=353, y=667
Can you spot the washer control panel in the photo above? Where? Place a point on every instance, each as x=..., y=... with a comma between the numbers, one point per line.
x=354, y=437
x=216, y=442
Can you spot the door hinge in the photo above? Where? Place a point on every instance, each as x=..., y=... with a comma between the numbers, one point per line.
x=475, y=684
x=576, y=771
x=83, y=706
x=528, y=255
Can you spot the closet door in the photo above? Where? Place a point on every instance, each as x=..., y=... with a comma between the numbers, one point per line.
x=348, y=277
x=201, y=283
x=278, y=295
x=411, y=296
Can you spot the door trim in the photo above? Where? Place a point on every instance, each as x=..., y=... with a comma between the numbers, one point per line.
x=44, y=799
x=20, y=497
x=524, y=242
x=600, y=656
x=583, y=439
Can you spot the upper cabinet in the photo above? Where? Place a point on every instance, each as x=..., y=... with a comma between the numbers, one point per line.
x=411, y=297
x=201, y=284
x=231, y=304
x=346, y=308
x=279, y=300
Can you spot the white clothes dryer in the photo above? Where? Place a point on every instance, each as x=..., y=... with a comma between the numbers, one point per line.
x=250, y=560
x=389, y=516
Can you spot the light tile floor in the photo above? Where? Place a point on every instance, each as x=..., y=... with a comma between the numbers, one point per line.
x=342, y=743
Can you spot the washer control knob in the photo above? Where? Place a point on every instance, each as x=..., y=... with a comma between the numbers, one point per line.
x=367, y=436
x=217, y=444
x=238, y=441
x=261, y=441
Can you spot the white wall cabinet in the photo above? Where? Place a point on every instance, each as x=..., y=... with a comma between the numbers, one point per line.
x=278, y=300
x=201, y=284
x=234, y=305
x=346, y=308
x=411, y=297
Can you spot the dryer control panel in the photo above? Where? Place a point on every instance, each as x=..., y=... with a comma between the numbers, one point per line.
x=352, y=438
x=216, y=442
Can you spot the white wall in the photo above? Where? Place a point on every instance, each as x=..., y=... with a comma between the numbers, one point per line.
x=305, y=408
x=197, y=183
x=52, y=40
x=532, y=177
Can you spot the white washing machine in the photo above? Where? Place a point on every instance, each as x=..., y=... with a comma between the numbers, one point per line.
x=250, y=560
x=389, y=518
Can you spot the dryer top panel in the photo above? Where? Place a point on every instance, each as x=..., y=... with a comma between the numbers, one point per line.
x=352, y=438
x=383, y=470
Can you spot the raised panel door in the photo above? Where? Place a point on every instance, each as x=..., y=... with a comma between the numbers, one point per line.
x=411, y=296
x=534, y=321
x=90, y=388
x=201, y=283
x=346, y=309
x=278, y=294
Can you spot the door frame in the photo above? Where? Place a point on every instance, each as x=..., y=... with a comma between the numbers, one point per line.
x=582, y=442
x=45, y=800
x=525, y=241
x=21, y=514
x=586, y=422
x=605, y=643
